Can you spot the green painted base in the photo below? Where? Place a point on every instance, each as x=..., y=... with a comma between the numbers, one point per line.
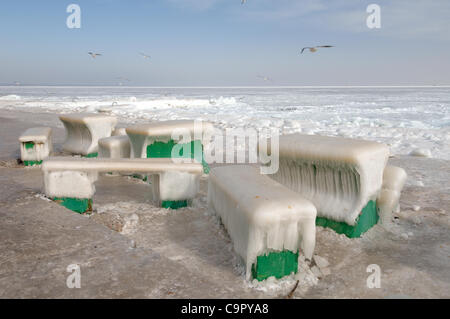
x=91, y=155
x=277, y=264
x=366, y=220
x=164, y=150
x=29, y=145
x=77, y=205
x=32, y=163
x=174, y=204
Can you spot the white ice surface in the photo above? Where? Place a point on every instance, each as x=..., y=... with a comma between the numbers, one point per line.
x=260, y=214
x=338, y=175
x=405, y=118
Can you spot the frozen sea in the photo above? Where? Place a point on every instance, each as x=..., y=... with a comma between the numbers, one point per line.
x=406, y=118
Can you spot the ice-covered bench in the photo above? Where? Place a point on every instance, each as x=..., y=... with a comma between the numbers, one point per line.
x=83, y=131
x=267, y=222
x=70, y=180
x=394, y=179
x=35, y=145
x=179, y=139
x=114, y=147
x=342, y=177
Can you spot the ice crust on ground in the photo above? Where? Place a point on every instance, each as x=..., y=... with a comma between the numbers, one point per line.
x=338, y=175
x=260, y=214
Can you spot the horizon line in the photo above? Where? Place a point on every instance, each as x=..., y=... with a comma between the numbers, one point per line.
x=231, y=87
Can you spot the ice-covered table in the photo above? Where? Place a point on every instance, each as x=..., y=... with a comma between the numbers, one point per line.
x=84, y=130
x=180, y=140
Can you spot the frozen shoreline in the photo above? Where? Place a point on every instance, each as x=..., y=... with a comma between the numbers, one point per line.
x=413, y=254
x=405, y=118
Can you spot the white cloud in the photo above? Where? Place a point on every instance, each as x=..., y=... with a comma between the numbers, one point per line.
x=400, y=18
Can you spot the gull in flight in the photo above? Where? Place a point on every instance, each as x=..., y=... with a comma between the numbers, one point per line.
x=243, y=1
x=94, y=55
x=314, y=49
x=264, y=78
x=145, y=55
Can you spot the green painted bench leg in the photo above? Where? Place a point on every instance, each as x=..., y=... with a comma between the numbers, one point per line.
x=164, y=150
x=174, y=204
x=91, y=155
x=32, y=163
x=277, y=264
x=75, y=204
x=367, y=219
x=29, y=145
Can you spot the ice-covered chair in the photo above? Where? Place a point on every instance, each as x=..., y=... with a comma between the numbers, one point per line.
x=394, y=179
x=267, y=222
x=35, y=145
x=83, y=131
x=114, y=147
x=342, y=177
x=70, y=180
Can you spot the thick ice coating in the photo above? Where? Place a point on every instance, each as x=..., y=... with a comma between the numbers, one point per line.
x=339, y=175
x=114, y=147
x=394, y=179
x=75, y=177
x=84, y=130
x=187, y=130
x=260, y=214
x=41, y=137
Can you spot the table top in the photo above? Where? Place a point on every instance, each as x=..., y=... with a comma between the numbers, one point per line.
x=86, y=117
x=167, y=128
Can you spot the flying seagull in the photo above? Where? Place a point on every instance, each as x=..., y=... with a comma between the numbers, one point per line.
x=264, y=78
x=94, y=55
x=243, y=1
x=314, y=49
x=145, y=55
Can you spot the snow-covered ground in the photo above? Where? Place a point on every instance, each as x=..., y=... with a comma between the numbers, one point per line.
x=406, y=118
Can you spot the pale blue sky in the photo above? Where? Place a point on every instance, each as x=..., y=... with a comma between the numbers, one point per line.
x=224, y=43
